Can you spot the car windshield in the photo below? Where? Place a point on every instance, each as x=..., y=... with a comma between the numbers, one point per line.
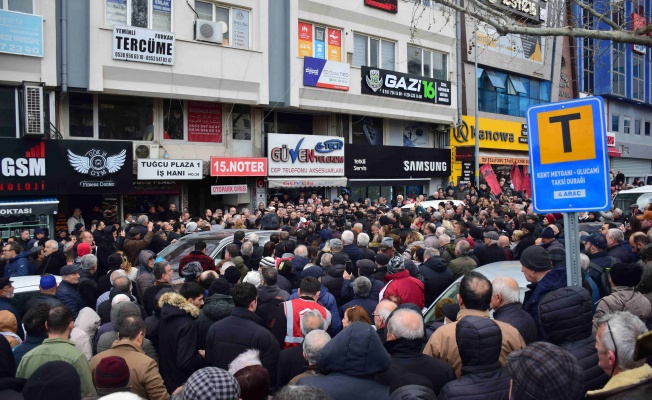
x=176, y=251
x=450, y=293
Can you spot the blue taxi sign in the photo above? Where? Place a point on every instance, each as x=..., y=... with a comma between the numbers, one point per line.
x=568, y=156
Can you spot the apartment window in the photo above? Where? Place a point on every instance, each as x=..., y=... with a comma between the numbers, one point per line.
x=626, y=125
x=173, y=119
x=8, y=109
x=637, y=127
x=373, y=52
x=647, y=128
x=615, y=123
x=638, y=76
x=618, y=73
x=125, y=118
x=241, y=122
x=320, y=42
x=24, y=6
x=432, y=64
x=80, y=115
x=150, y=14
x=235, y=22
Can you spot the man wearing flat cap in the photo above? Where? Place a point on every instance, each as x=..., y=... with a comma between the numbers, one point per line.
x=68, y=290
x=493, y=252
x=526, y=241
x=543, y=278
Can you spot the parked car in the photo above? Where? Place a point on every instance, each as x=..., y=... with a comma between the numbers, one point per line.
x=640, y=195
x=431, y=203
x=26, y=288
x=216, y=242
x=491, y=271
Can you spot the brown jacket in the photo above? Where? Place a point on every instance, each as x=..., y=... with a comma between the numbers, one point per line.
x=623, y=298
x=132, y=247
x=632, y=384
x=443, y=345
x=145, y=380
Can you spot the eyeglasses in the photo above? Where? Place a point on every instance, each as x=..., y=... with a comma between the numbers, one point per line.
x=615, y=349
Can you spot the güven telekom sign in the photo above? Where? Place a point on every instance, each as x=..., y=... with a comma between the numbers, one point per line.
x=238, y=166
x=493, y=134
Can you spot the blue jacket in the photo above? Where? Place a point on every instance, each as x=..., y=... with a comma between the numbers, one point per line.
x=70, y=296
x=327, y=300
x=554, y=279
x=17, y=266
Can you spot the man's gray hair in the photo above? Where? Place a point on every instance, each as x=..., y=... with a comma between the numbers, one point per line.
x=430, y=252
x=584, y=262
x=115, y=274
x=358, y=225
x=53, y=243
x=313, y=343
x=363, y=239
x=624, y=327
x=362, y=286
x=406, y=324
x=269, y=275
x=501, y=286
x=89, y=261
x=436, y=215
x=247, y=249
x=122, y=284
x=253, y=239
x=326, y=260
x=336, y=244
x=295, y=392
x=444, y=239
x=70, y=243
x=244, y=210
x=616, y=234
x=312, y=320
x=463, y=247
x=301, y=251
x=142, y=220
x=347, y=238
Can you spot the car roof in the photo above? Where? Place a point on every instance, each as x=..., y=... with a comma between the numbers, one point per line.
x=640, y=189
x=223, y=233
x=432, y=203
x=28, y=283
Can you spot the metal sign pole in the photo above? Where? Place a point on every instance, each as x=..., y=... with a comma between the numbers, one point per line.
x=572, y=242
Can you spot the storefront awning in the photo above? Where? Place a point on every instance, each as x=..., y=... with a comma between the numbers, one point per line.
x=614, y=152
x=388, y=182
x=306, y=182
x=497, y=157
x=36, y=206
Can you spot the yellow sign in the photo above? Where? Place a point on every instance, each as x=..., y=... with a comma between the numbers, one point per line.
x=493, y=133
x=566, y=135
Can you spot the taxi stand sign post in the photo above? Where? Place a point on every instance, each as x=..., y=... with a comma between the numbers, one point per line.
x=569, y=166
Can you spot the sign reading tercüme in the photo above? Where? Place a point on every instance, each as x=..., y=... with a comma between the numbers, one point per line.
x=143, y=45
x=381, y=82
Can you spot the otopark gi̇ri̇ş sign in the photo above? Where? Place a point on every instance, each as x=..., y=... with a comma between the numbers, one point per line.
x=381, y=82
x=304, y=155
x=568, y=156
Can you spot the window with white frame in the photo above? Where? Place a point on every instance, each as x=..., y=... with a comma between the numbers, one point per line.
x=637, y=127
x=638, y=76
x=627, y=122
x=373, y=52
x=618, y=73
x=24, y=6
x=149, y=14
x=235, y=22
x=424, y=62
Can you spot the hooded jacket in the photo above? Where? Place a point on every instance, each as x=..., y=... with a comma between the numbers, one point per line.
x=623, y=298
x=437, y=277
x=479, y=342
x=413, y=392
x=349, y=362
x=178, y=357
x=299, y=263
x=405, y=287
x=53, y=263
x=334, y=281
x=554, y=279
x=565, y=316
x=83, y=334
x=145, y=277
x=216, y=307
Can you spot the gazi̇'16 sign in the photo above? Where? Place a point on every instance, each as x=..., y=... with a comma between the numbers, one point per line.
x=568, y=156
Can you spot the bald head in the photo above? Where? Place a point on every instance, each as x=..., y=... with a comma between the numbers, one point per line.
x=503, y=241
x=505, y=290
x=382, y=311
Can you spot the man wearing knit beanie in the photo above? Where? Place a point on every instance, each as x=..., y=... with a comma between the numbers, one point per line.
x=544, y=371
x=538, y=270
x=111, y=375
x=400, y=286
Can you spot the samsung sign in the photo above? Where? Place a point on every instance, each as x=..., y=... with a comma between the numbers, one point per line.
x=381, y=82
x=143, y=45
x=376, y=162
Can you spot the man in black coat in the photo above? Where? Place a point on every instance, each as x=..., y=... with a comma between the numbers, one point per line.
x=291, y=361
x=492, y=252
x=54, y=259
x=505, y=301
x=526, y=241
x=241, y=331
x=404, y=343
x=436, y=274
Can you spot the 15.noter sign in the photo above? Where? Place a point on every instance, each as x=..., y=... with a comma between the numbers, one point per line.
x=568, y=156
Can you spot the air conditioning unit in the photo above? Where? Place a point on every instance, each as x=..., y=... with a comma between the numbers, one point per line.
x=209, y=31
x=33, y=116
x=146, y=150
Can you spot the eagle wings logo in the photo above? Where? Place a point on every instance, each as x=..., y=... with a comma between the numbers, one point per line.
x=96, y=163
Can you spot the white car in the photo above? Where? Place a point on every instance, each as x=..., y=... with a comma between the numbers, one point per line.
x=491, y=271
x=431, y=203
x=26, y=288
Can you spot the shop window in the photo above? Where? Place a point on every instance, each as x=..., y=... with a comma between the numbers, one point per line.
x=125, y=118
x=149, y=14
x=298, y=124
x=80, y=115
x=637, y=127
x=173, y=120
x=8, y=123
x=366, y=130
x=626, y=125
x=432, y=64
x=24, y=6
x=241, y=122
x=320, y=42
x=373, y=52
x=615, y=123
x=235, y=22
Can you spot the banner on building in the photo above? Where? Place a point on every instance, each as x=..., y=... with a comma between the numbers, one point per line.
x=381, y=82
x=204, y=122
x=21, y=34
x=325, y=74
x=304, y=155
x=165, y=169
x=143, y=45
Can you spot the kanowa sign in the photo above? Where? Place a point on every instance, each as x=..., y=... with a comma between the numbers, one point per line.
x=53, y=167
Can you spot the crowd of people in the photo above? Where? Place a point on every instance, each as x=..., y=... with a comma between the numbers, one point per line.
x=330, y=306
